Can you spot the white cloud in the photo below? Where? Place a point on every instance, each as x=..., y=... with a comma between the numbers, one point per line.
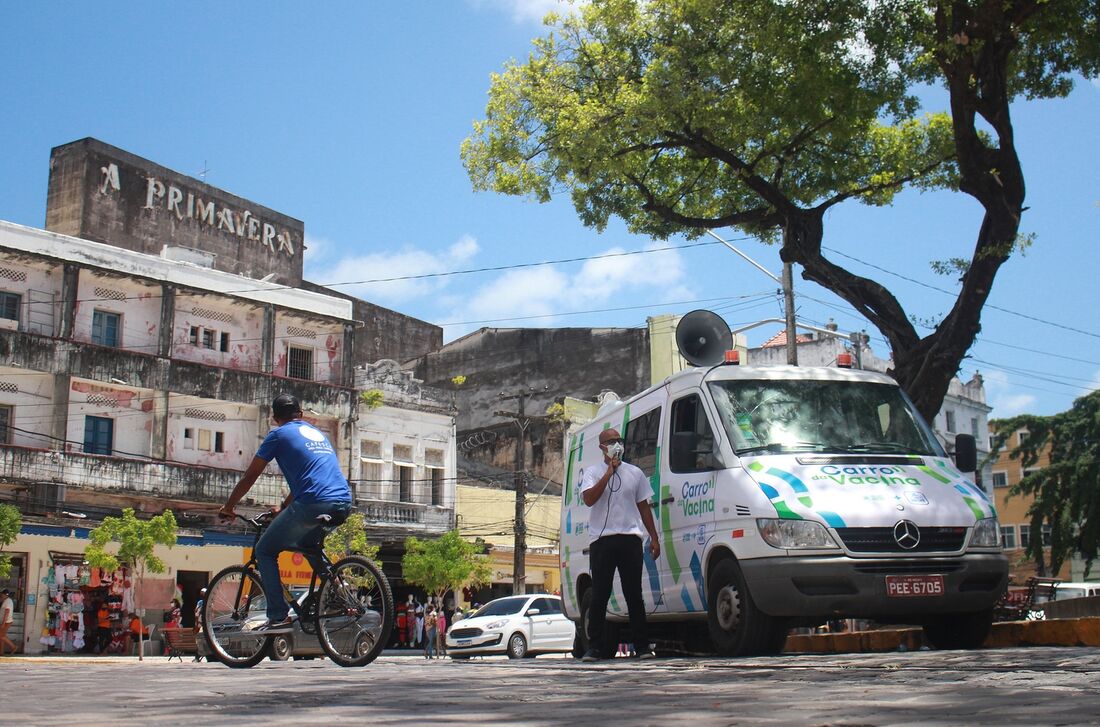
x=349, y=273
x=526, y=11
x=1006, y=401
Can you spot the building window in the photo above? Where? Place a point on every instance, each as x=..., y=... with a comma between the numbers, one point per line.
x=949, y=420
x=1046, y=536
x=6, y=420
x=1021, y=437
x=9, y=305
x=405, y=481
x=105, y=327
x=224, y=342
x=1025, y=536
x=219, y=442
x=1000, y=479
x=1008, y=537
x=974, y=427
x=188, y=438
x=204, y=440
x=99, y=435
x=373, y=474
x=299, y=363
x=437, y=485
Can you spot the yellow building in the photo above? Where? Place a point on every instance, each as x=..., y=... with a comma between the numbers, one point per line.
x=1012, y=512
x=488, y=513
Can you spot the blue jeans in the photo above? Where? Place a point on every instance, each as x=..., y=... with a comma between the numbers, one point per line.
x=296, y=527
x=429, y=643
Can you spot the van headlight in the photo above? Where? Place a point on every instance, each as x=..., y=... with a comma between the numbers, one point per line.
x=987, y=534
x=793, y=534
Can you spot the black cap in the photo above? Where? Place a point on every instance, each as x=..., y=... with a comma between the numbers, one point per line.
x=285, y=406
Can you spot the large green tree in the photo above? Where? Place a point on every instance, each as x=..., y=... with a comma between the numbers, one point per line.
x=445, y=564
x=679, y=116
x=1066, y=492
x=136, y=542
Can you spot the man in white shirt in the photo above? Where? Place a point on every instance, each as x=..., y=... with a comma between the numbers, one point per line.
x=618, y=498
x=7, y=617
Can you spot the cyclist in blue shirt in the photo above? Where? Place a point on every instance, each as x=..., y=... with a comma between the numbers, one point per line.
x=319, y=497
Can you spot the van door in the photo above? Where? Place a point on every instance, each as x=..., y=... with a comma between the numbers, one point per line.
x=688, y=493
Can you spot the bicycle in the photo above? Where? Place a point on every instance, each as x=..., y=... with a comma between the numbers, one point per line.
x=349, y=607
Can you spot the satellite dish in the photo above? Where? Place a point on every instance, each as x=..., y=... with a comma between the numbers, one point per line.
x=703, y=338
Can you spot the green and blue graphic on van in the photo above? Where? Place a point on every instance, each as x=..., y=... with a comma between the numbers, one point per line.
x=801, y=492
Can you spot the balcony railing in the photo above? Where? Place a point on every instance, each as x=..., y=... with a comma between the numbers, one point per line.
x=48, y=474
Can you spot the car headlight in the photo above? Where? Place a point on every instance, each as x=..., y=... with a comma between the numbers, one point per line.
x=793, y=534
x=987, y=534
x=496, y=624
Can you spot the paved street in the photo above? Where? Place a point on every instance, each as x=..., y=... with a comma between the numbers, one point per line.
x=1033, y=686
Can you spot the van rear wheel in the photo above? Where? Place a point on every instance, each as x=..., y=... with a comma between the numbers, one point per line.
x=737, y=627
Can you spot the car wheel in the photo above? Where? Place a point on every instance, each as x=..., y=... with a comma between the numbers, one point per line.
x=737, y=627
x=517, y=646
x=280, y=648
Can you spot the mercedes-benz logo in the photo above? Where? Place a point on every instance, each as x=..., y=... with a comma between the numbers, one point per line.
x=907, y=534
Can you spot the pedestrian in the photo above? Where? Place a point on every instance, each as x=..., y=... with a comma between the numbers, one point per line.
x=103, y=628
x=617, y=495
x=441, y=632
x=419, y=625
x=430, y=621
x=173, y=615
x=7, y=618
x=198, y=609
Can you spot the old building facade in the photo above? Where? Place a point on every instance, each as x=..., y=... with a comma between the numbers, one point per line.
x=136, y=371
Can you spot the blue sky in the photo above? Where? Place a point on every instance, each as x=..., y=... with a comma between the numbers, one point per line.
x=349, y=116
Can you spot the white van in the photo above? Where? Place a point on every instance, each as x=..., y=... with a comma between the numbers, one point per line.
x=788, y=496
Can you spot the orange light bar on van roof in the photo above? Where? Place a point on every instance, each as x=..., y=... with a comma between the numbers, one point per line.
x=844, y=360
x=732, y=358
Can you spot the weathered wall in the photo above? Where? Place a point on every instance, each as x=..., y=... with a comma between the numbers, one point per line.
x=385, y=333
x=546, y=363
x=137, y=305
x=38, y=283
x=105, y=194
x=237, y=423
x=30, y=396
x=130, y=409
x=218, y=314
x=324, y=338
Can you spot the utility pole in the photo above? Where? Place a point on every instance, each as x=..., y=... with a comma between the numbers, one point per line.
x=787, y=283
x=788, y=305
x=522, y=422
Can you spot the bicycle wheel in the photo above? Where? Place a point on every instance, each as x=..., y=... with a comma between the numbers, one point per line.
x=235, y=605
x=354, y=612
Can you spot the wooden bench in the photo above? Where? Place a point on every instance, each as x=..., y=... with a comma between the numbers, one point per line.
x=181, y=642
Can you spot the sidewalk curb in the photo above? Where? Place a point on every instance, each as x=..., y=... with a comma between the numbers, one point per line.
x=1009, y=634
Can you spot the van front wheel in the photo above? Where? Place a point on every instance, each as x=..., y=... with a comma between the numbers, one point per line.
x=737, y=627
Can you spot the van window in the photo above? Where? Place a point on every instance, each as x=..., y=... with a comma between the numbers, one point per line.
x=691, y=439
x=640, y=441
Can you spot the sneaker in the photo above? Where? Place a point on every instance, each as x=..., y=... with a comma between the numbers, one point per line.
x=591, y=655
x=646, y=655
x=277, y=627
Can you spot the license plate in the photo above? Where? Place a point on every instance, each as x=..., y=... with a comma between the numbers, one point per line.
x=463, y=642
x=908, y=586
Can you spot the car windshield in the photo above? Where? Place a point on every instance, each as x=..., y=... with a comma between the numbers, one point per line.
x=781, y=415
x=502, y=607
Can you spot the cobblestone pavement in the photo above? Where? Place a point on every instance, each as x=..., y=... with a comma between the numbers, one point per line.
x=1031, y=686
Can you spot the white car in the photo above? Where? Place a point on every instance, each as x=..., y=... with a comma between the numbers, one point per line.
x=518, y=626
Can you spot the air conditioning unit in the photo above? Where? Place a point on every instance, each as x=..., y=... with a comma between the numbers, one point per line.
x=10, y=324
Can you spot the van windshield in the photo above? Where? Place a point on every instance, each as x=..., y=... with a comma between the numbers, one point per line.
x=821, y=416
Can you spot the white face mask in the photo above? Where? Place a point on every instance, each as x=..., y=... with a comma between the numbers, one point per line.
x=615, y=451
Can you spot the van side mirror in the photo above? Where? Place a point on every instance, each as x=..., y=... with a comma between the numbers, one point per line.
x=966, y=453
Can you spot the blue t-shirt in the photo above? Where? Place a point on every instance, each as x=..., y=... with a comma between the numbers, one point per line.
x=308, y=462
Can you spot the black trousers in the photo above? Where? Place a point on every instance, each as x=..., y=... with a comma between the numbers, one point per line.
x=608, y=554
